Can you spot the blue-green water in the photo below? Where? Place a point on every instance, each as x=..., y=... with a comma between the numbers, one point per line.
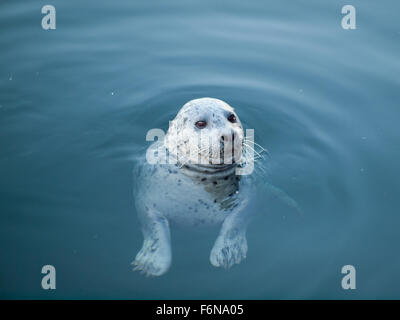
x=77, y=102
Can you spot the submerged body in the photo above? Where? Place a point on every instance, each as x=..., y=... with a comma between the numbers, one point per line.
x=193, y=193
x=202, y=199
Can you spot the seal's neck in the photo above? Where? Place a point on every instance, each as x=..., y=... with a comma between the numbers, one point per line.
x=212, y=171
x=219, y=180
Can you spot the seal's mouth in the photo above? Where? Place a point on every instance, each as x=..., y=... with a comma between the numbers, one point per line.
x=208, y=154
x=209, y=168
x=218, y=167
x=222, y=160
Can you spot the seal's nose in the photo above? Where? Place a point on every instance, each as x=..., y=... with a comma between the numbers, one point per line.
x=225, y=138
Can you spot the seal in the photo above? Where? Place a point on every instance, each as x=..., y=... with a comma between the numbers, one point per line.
x=197, y=186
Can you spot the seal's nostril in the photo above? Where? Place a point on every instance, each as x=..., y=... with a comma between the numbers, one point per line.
x=222, y=138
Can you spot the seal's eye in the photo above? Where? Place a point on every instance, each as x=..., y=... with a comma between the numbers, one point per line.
x=201, y=124
x=232, y=118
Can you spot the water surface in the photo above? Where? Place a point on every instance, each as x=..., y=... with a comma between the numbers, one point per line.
x=76, y=103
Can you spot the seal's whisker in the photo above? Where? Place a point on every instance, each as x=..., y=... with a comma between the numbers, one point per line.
x=256, y=157
x=261, y=168
x=259, y=146
x=204, y=150
x=258, y=154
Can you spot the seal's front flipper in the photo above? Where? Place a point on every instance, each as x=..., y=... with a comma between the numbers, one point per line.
x=229, y=249
x=231, y=245
x=154, y=259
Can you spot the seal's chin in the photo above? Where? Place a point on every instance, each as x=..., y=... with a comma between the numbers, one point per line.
x=216, y=167
x=208, y=164
x=209, y=168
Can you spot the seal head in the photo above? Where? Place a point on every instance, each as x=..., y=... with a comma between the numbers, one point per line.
x=206, y=136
